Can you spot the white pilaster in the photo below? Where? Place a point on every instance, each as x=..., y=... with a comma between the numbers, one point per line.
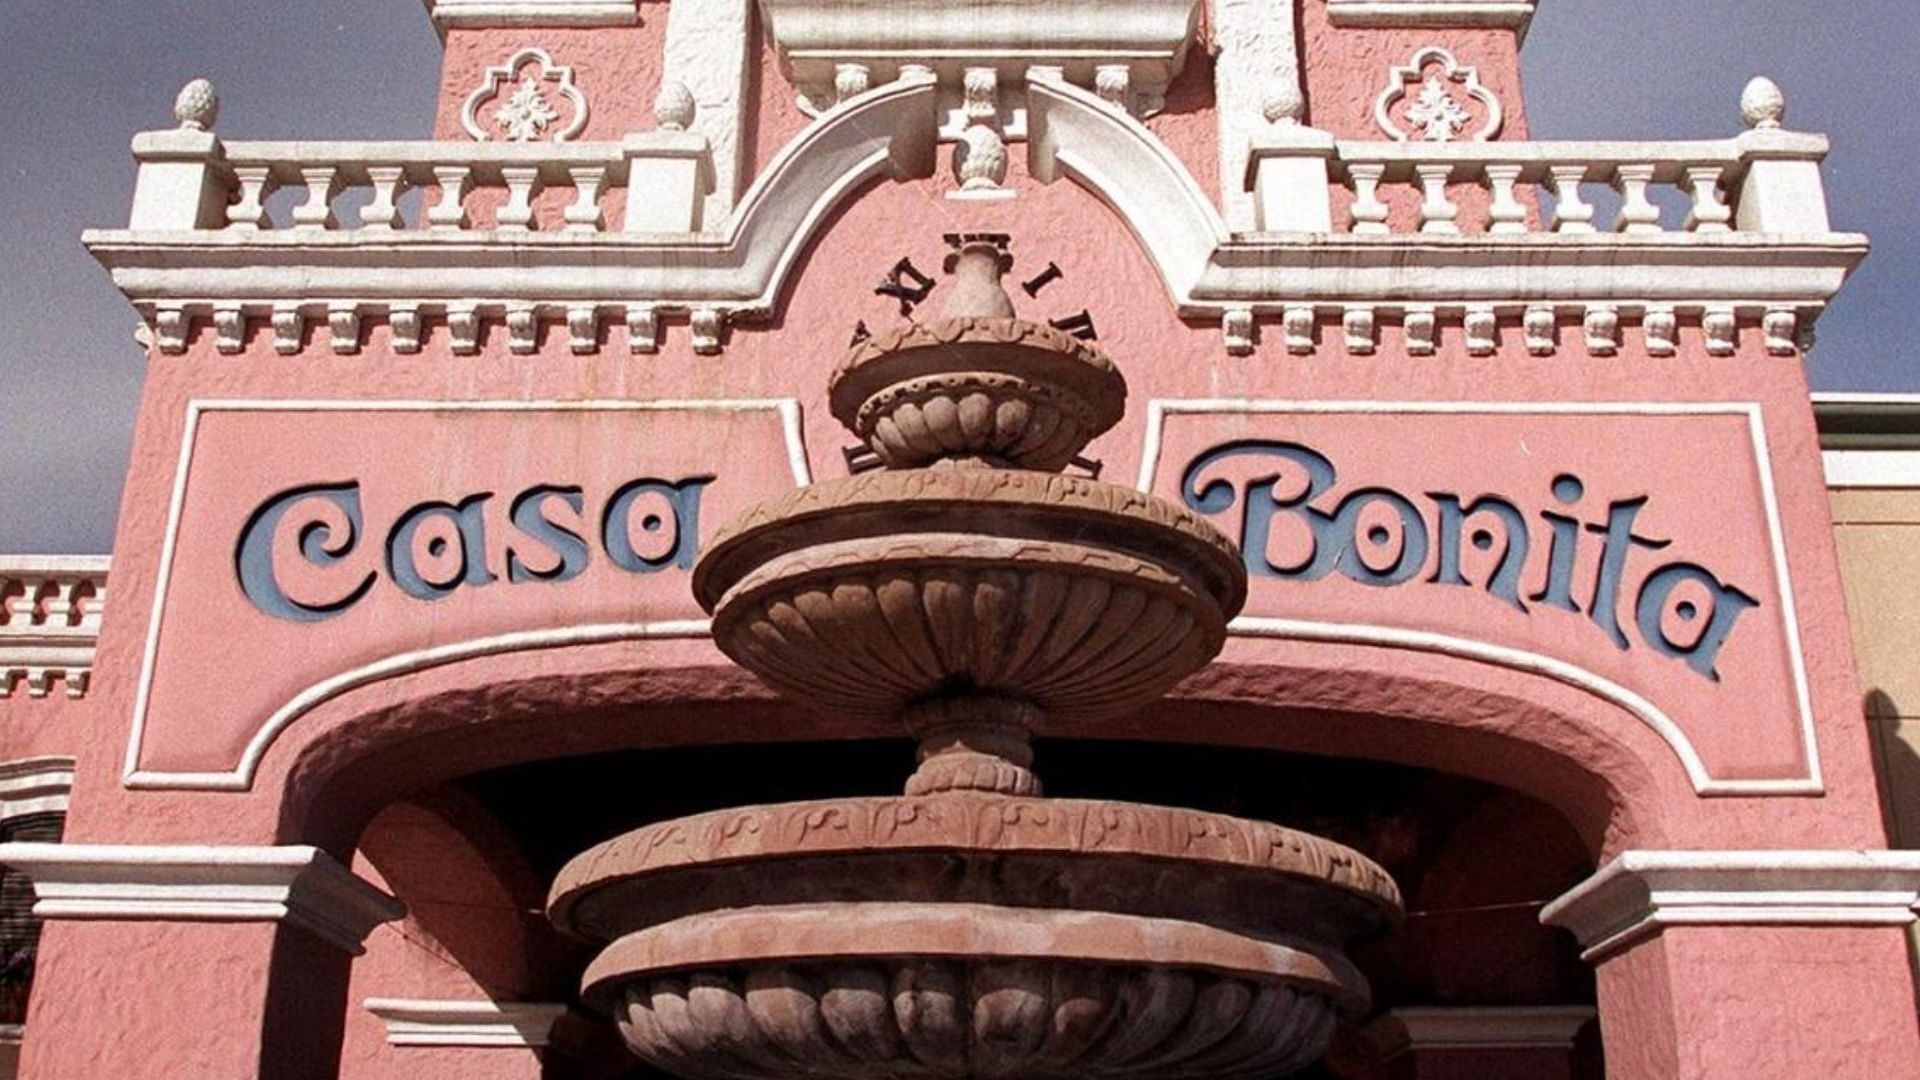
x=1257, y=59
x=706, y=52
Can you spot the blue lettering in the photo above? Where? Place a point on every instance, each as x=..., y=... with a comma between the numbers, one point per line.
x=253, y=558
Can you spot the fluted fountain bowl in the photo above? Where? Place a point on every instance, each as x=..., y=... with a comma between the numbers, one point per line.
x=1002, y=390
x=973, y=936
x=865, y=595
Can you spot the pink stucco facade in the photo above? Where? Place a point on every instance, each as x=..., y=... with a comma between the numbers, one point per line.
x=1599, y=577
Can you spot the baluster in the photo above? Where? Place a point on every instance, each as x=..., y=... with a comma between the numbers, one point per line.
x=1437, y=212
x=1571, y=212
x=24, y=610
x=323, y=182
x=1638, y=215
x=450, y=213
x=1369, y=213
x=1711, y=214
x=584, y=215
x=383, y=213
x=517, y=214
x=93, y=605
x=60, y=601
x=250, y=213
x=1507, y=214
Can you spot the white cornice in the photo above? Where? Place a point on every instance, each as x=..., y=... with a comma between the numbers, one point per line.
x=293, y=884
x=477, y=13
x=1472, y=1027
x=1640, y=893
x=1148, y=37
x=35, y=786
x=1516, y=15
x=420, y=1022
x=1891, y=468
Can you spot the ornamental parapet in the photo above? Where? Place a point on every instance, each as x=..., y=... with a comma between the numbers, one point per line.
x=50, y=607
x=1721, y=237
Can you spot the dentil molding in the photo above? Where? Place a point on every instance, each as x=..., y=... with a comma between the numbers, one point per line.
x=294, y=884
x=447, y=14
x=1641, y=893
x=1515, y=15
x=424, y=1022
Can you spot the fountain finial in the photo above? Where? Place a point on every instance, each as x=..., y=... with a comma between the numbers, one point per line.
x=977, y=262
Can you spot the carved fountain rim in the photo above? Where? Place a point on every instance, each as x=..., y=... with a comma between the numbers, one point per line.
x=833, y=933
x=976, y=823
x=984, y=498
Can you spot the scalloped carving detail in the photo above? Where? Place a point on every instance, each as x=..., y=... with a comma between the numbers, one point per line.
x=973, y=822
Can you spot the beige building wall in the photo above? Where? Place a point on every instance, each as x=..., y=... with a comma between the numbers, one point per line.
x=1872, y=449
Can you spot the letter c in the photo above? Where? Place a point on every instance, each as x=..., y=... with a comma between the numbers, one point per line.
x=253, y=558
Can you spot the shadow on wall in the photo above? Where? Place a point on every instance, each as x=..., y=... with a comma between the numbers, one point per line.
x=1896, y=769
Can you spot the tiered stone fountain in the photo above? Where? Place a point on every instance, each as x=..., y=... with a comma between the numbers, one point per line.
x=972, y=928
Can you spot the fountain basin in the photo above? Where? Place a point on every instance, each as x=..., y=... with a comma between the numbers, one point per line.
x=973, y=935
x=965, y=992
x=868, y=594
x=1005, y=390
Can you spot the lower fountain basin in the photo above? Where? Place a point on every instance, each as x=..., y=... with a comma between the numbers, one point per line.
x=965, y=992
x=969, y=935
x=865, y=595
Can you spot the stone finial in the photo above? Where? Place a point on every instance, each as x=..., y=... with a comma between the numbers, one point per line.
x=674, y=106
x=197, y=107
x=1281, y=103
x=980, y=159
x=1762, y=105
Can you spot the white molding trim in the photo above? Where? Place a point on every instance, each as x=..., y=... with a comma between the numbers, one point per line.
x=425, y=1022
x=1872, y=468
x=38, y=785
x=1515, y=15
x=1640, y=893
x=293, y=884
x=741, y=269
x=478, y=13
x=1704, y=783
x=240, y=777
x=1150, y=38
x=1477, y=1027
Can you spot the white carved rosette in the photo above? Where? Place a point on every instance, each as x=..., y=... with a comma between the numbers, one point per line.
x=1433, y=97
x=528, y=98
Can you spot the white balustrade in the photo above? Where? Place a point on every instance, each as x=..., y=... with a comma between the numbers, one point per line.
x=49, y=622
x=1510, y=176
x=241, y=179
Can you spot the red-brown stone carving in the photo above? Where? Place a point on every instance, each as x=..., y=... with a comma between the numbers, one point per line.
x=961, y=991
x=1003, y=390
x=971, y=929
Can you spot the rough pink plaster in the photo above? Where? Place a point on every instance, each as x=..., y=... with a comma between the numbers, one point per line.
x=1346, y=69
x=1710, y=1002
x=470, y=934
x=617, y=68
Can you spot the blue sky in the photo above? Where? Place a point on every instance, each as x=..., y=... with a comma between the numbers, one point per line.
x=83, y=77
